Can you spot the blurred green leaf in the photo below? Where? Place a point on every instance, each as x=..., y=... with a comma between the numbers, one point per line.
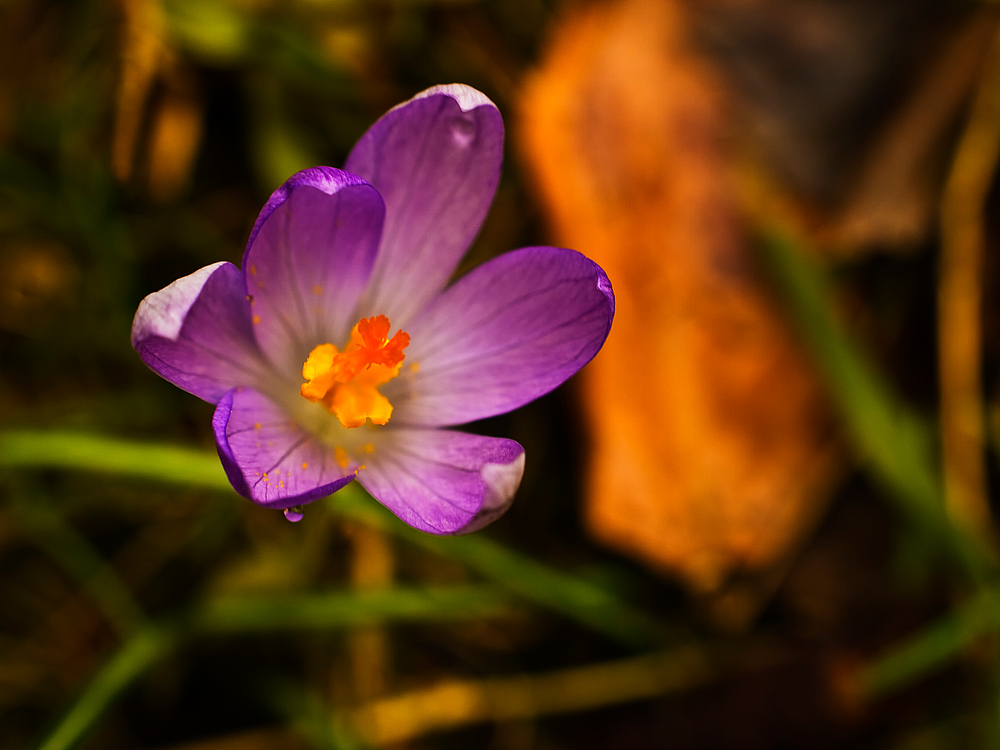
x=346, y=609
x=210, y=28
x=898, y=446
x=896, y=443
x=312, y=719
x=548, y=587
x=243, y=614
x=279, y=149
x=133, y=658
x=575, y=597
x=75, y=554
x=74, y=450
x=933, y=646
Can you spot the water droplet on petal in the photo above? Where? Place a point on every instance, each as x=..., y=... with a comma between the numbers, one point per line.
x=294, y=514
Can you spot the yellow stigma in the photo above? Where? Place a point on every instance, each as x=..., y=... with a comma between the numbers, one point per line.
x=346, y=382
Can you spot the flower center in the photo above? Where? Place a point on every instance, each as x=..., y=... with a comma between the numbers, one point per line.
x=346, y=382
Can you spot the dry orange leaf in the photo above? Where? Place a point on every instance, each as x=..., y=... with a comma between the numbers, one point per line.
x=712, y=444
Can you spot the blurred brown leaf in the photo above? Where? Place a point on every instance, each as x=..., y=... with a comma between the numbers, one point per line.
x=173, y=119
x=372, y=567
x=712, y=444
x=891, y=204
x=144, y=51
x=37, y=278
x=175, y=136
x=960, y=293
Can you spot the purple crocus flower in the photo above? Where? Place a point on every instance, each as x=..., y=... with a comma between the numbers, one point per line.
x=340, y=350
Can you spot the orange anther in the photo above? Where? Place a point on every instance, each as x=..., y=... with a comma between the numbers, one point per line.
x=346, y=382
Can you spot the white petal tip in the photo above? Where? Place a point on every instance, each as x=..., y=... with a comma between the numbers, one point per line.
x=501, y=481
x=163, y=313
x=467, y=97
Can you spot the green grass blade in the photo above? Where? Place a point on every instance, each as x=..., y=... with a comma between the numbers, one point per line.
x=548, y=587
x=350, y=609
x=896, y=441
x=318, y=724
x=897, y=444
x=75, y=554
x=933, y=646
x=75, y=450
x=233, y=614
x=134, y=657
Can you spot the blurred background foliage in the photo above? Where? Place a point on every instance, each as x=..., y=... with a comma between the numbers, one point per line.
x=761, y=518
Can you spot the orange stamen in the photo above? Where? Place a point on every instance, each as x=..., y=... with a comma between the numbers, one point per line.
x=346, y=382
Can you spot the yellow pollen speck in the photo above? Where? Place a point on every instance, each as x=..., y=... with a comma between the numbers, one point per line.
x=305, y=466
x=317, y=289
x=369, y=448
x=256, y=425
x=253, y=270
x=342, y=458
x=414, y=367
x=260, y=284
x=256, y=319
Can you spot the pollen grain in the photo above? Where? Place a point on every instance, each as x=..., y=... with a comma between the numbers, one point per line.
x=340, y=454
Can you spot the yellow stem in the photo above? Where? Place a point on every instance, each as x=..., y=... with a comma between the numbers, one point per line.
x=960, y=303
x=372, y=566
x=462, y=702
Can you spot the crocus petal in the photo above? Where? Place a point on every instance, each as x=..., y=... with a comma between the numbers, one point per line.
x=196, y=333
x=436, y=162
x=441, y=481
x=268, y=458
x=308, y=259
x=505, y=333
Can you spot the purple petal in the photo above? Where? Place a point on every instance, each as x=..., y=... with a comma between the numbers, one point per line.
x=505, y=333
x=441, y=481
x=435, y=160
x=308, y=259
x=196, y=333
x=268, y=458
